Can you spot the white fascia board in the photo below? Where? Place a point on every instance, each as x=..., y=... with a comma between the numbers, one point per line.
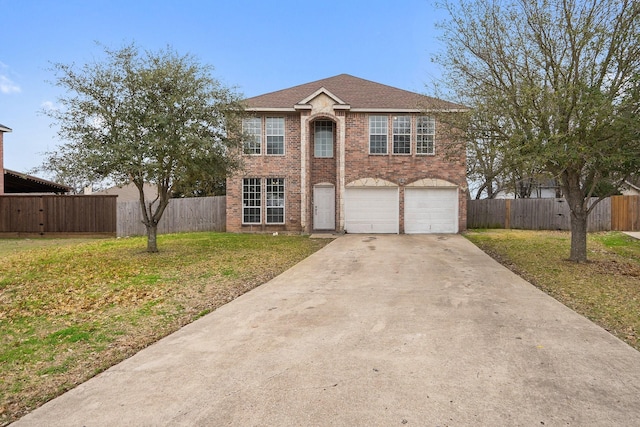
x=451, y=110
x=298, y=107
x=310, y=107
x=386, y=110
x=407, y=110
x=271, y=109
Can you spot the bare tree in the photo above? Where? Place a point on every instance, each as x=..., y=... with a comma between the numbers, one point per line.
x=558, y=85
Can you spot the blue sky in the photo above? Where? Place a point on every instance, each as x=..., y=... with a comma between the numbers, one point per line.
x=256, y=46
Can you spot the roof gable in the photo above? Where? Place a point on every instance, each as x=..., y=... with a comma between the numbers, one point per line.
x=321, y=91
x=359, y=94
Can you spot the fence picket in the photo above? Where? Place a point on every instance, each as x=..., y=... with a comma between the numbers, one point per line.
x=48, y=215
x=614, y=213
x=181, y=215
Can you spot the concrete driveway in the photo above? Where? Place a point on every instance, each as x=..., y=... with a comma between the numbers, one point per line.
x=373, y=331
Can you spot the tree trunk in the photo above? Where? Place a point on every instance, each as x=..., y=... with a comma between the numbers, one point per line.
x=578, y=236
x=152, y=241
x=579, y=213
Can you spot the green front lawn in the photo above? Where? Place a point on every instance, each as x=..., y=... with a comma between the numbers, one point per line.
x=70, y=309
x=605, y=290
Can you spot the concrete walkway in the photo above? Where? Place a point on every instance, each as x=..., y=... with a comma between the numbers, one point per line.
x=373, y=331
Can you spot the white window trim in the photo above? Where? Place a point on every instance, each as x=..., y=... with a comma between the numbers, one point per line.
x=411, y=139
x=433, y=153
x=284, y=201
x=284, y=137
x=252, y=207
x=370, y=134
x=260, y=135
x=315, y=155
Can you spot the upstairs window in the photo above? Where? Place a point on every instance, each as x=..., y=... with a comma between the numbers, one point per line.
x=402, y=135
x=275, y=200
x=378, y=134
x=275, y=135
x=252, y=128
x=425, y=135
x=323, y=138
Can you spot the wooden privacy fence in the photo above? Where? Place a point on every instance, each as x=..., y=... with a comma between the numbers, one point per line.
x=57, y=215
x=620, y=213
x=625, y=213
x=181, y=215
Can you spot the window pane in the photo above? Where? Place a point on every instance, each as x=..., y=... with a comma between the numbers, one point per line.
x=251, y=201
x=323, y=138
x=425, y=135
x=378, y=134
x=275, y=200
x=252, y=128
x=402, y=135
x=275, y=135
x=378, y=144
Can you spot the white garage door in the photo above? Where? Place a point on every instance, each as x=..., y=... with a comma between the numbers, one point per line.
x=371, y=210
x=430, y=210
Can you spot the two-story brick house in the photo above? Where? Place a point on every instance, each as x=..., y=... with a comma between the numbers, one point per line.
x=346, y=154
x=3, y=129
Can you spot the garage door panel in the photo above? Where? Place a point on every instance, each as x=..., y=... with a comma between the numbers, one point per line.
x=431, y=210
x=371, y=210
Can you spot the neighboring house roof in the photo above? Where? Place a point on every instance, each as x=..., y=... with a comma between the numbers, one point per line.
x=631, y=186
x=633, y=182
x=353, y=93
x=3, y=128
x=16, y=182
x=129, y=192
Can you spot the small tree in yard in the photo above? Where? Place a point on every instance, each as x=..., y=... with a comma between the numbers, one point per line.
x=158, y=118
x=556, y=86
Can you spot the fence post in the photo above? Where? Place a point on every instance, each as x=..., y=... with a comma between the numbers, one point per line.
x=507, y=214
x=41, y=215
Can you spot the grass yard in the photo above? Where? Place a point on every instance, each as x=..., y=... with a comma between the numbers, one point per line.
x=605, y=290
x=70, y=309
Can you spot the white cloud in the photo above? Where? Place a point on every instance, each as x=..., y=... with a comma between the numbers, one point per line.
x=48, y=106
x=7, y=86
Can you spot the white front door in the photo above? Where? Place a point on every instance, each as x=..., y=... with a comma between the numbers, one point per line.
x=324, y=208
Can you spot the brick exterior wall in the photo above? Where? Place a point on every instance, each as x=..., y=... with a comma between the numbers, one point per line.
x=402, y=169
x=359, y=164
x=270, y=166
x=1, y=162
x=322, y=170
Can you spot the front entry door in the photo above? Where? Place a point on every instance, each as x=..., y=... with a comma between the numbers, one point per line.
x=324, y=208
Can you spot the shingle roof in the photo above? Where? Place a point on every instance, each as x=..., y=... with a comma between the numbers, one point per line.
x=354, y=91
x=3, y=128
x=17, y=182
